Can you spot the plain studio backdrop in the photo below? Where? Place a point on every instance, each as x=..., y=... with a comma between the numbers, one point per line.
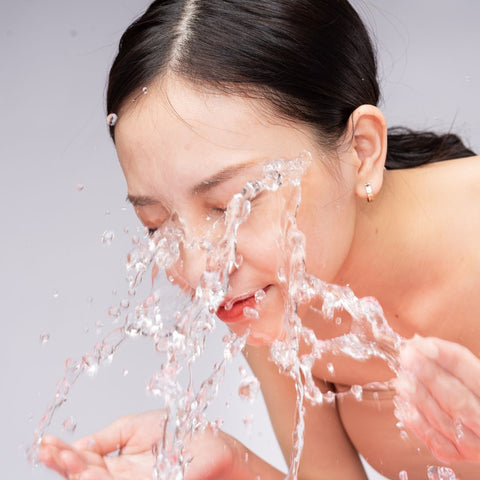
x=61, y=188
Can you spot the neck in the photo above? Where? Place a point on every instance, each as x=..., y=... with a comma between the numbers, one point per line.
x=391, y=243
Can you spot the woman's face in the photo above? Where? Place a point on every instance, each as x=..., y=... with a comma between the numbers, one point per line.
x=187, y=152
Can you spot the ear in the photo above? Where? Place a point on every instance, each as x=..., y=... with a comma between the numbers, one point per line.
x=368, y=128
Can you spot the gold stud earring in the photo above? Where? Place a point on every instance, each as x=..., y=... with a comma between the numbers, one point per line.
x=368, y=189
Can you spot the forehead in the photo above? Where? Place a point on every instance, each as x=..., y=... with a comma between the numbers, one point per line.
x=179, y=131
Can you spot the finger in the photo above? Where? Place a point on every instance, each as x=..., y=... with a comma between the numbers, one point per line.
x=73, y=463
x=105, y=441
x=465, y=441
x=440, y=446
x=416, y=394
x=454, y=358
x=450, y=393
x=54, y=441
x=50, y=457
x=95, y=473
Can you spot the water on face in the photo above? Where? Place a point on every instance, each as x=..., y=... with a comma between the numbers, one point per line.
x=180, y=337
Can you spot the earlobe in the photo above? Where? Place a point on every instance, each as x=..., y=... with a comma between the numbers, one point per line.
x=369, y=144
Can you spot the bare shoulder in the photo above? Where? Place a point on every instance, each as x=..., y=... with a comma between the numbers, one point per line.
x=461, y=172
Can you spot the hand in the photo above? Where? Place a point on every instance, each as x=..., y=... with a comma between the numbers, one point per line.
x=438, y=397
x=212, y=452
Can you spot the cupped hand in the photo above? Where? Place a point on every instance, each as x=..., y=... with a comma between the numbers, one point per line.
x=123, y=451
x=438, y=397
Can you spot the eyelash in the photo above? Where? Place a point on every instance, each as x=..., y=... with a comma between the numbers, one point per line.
x=218, y=210
x=215, y=210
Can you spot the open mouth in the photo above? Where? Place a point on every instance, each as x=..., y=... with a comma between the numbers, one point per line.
x=234, y=310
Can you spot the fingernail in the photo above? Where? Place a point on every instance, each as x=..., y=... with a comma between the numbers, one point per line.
x=425, y=345
x=407, y=356
x=429, y=349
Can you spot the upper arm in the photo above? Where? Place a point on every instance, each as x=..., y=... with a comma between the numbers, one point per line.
x=328, y=452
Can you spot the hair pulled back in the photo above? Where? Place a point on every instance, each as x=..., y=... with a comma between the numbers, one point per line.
x=311, y=59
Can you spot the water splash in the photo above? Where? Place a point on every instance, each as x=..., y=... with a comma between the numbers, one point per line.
x=440, y=473
x=181, y=337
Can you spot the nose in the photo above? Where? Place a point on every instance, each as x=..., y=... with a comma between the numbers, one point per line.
x=190, y=265
x=200, y=243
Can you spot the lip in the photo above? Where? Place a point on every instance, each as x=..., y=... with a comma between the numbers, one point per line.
x=238, y=303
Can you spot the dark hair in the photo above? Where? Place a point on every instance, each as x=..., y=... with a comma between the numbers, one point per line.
x=311, y=59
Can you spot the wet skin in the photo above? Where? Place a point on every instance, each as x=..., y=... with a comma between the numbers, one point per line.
x=186, y=151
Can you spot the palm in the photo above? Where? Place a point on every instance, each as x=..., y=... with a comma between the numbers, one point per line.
x=132, y=438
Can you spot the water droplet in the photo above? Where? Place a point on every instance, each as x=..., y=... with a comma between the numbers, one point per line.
x=44, y=338
x=126, y=229
x=112, y=119
x=329, y=396
x=331, y=368
x=171, y=279
x=56, y=294
x=357, y=392
x=124, y=372
x=403, y=475
x=238, y=260
x=248, y=421
x=80, y=187
x=125, y=303
x=260, y=295
x=281, y=275
x=242, y=370
x=69, y=425
x=107, y=237
x=459, y=431
x=250, y=313
x=440, y=473
x=338, y=321
x=108, y=212
x=404, y=435
x=249, y=388
x=114, y=311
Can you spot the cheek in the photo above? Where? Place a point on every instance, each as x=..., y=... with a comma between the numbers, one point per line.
x=259, y=243
x=329, y=233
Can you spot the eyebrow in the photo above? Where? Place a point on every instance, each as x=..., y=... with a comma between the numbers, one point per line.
x=223, y=175
x=140, y=200
x=202, y=187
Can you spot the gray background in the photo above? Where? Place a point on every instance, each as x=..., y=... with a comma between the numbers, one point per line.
x=58, y=278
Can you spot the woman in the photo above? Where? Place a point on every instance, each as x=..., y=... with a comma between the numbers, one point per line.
x=204, y=93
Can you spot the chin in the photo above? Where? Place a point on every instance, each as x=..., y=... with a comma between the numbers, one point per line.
x=263, y=339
